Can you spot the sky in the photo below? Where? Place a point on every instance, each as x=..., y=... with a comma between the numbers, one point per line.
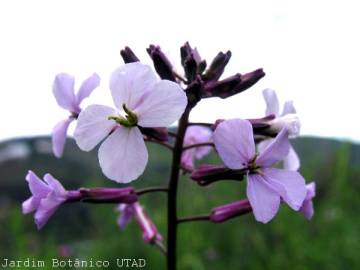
x=308, y=49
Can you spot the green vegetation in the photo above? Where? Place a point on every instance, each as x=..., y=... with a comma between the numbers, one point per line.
x=330, y=241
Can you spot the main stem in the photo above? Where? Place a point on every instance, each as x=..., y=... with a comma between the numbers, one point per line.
x=172, y=191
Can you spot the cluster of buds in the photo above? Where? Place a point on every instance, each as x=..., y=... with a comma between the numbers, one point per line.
x=145, y=106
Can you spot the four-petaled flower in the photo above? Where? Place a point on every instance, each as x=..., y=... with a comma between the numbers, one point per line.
x=266, y=186
x=195, y=135
x=288, y=116
x=46, y=197
x=135, y=210
x=63, y=89
x=142, y=100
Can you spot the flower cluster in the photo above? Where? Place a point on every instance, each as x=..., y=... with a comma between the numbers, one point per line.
x=145, y=107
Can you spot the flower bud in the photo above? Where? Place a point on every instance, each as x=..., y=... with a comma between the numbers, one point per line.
x=231, y=210
x=217, y=66
x=128, y=55
x=210, y=173
x=289, y=121
x=191, y=61
x=232, y=85
x=161, y=63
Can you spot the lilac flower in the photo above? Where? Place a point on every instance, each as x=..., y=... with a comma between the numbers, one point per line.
x=46, y=197
x=307, y=208
x=141, y=100
x=63, y=89
x=287, y=118
x=135, y=210
x=195, y=135
x=266, y=186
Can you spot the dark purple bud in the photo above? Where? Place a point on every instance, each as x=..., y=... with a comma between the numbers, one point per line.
x=232, y=85
x=128, y=55
x=161, y=63
x=209, y=173
x=217, y=66
x=231, y=210
x=160, y=134
x=191, y=61
x=111, y=195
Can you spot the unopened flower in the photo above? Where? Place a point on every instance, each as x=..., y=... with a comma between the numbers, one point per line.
x=288, y=119
x=46, y=197
x=63, y=89
x=207, y=174
x=135, y=210
x=307, y=208
x=195, y=135
x=141, y=101
x=266, y=186
x=231, y=210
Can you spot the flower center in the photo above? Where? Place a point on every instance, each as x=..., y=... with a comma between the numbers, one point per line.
x=130, y=119
x=252, y=166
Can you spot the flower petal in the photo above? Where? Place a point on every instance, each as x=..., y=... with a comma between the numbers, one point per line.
x=288, y=108
x=195, y=135
x=47, y=208
x=129, y=84
x=37, y=187
x=272, y=102
x=290, y=185
x=29, y=206
x=187, y=159
x=292, y=161
x=126, y=214
x=263, y=199
x=234, y=141
x=87, y=87
x=55, y=185
x=123, y=155
x=162, y=106
x=307, y=209
x=59, y=136
x=93, y=126
x=277, y=150
x=63, y=89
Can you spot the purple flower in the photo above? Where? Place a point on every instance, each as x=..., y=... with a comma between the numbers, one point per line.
x=46, y=197
x=195, y=135
x=141, y=100
x=63, y=89
x=266, y=186
x=135, y=210
x=307, y=208
x=288, y=119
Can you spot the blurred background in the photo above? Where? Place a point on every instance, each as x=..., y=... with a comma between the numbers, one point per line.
x=309, y=51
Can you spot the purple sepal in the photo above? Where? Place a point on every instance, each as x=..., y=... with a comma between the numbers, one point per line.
x=209, y=173
x=231, y=210
x=161, y=63
x=217, y=66
x=160, y=134
x=128, y=55
x=112, y=195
